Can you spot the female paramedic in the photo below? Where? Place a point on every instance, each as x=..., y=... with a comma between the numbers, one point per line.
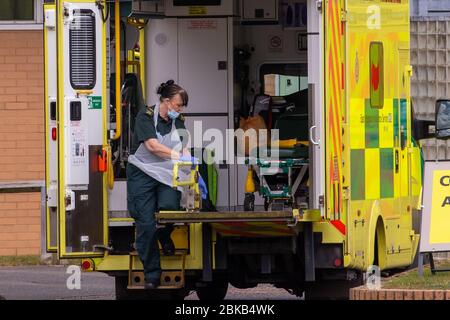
x=156, y=144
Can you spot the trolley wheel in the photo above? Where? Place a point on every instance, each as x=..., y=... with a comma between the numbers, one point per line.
x=267, y=204
x=249, y=202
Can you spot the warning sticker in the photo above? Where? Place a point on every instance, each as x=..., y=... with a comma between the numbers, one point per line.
x=435, y=232
x=95, y=102
x=275, y=43
x=197, y=11
x=78, y=143
x=202, y=24
x=440, y=208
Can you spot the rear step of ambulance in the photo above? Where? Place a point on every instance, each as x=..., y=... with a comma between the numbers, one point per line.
x=165, y=217
x=175, y=279
x=169, y=279
x=240, y=223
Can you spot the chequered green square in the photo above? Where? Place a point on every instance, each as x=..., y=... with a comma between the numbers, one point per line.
x=372, y=123
x=387, y=173
x=358, y=174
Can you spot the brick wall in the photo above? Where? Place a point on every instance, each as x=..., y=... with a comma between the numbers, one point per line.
x=22, y=155
x=20, y=224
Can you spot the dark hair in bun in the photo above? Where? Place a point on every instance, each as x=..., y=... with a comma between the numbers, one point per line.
x=170, y=89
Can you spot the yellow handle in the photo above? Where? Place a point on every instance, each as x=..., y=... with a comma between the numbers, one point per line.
x=110, y=173
x=187, y=183
x=118, y=132
x=192, y=183
x=138, y=23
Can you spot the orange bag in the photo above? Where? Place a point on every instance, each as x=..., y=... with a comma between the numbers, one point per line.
x=244, y=142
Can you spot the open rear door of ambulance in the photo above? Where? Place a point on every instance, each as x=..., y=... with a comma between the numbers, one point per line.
x=51, y=144
x=337, y=152
x=81, y=117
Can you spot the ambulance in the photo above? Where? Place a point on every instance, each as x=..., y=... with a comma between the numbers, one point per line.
x=331, y=75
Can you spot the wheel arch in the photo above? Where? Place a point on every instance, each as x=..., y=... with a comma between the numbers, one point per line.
x=376, y=238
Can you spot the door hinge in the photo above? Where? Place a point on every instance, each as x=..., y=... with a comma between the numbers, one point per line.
x=321, y=201
x=343, y=15
x=69, y=200
x=319, y=5
x=345, y=193
x=359, y=221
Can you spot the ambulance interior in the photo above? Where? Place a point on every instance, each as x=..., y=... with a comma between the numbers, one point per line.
x=241, y=64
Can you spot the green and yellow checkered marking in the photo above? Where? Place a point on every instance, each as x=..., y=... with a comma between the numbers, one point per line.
x=375, y=134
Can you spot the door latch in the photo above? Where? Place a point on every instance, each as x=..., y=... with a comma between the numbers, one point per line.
x=69, y=200
x=396, y=161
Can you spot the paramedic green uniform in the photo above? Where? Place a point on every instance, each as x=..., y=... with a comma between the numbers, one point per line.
x=147, y=195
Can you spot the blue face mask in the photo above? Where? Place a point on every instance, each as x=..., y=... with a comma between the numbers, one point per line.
x=173, y=114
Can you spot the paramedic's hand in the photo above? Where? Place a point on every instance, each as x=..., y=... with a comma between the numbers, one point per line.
x=202, y=187
x=185, y=152
x=185, y=158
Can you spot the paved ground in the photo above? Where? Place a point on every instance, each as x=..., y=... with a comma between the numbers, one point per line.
x=49, y=283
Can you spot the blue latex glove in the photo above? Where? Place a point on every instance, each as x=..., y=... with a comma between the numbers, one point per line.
x=202, y=187
x=194, y=160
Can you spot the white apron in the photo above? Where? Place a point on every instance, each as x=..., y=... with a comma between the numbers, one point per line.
x=156, y=167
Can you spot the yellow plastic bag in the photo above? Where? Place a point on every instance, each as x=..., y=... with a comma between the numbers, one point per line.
x=289, y=143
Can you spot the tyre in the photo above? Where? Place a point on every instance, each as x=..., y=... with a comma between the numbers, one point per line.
x=267, y=204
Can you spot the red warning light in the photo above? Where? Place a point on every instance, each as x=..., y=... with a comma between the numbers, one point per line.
x=54, y=134
x=86, y=265
x=337, y=262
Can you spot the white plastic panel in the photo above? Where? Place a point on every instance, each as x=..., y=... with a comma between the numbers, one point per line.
x=202, y=48
x=202, y=124
x=50, y=18
x=51, y=87
x=80, y=202
x=315, y=80
x=117, y=197
x=161, y=55
x=92, y=117
x=76, y=145
x=51, y=126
